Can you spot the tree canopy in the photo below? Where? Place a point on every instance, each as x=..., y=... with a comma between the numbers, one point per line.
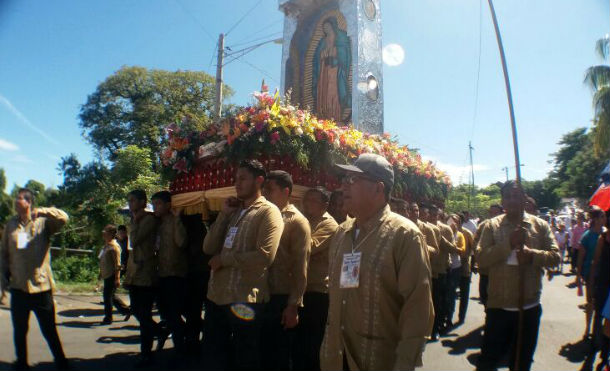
x=132, y=106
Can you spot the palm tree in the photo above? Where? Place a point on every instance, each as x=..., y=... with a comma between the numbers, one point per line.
x=598, y=78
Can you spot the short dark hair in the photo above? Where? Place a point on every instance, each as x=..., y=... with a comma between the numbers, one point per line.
x=497, y=206
x=595, y=212
x=28, y=195
x=281, y=178
x=336, y=193
x=122, y=228
x=139, y=194
x=110, y=228
x=164, y=196
x=510, y=184
x=531, y=200
x=254, y=167
x=324, y=196
x=433, y=209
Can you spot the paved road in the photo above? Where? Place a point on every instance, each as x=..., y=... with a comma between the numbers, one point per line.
x=93, y=347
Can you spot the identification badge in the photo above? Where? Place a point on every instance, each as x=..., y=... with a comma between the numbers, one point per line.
x=230, y=238
x=101, y=253
x=22, y=240
x=512, y=258
x=350, y=270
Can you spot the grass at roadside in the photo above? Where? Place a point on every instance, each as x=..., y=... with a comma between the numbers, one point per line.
x=83, y=288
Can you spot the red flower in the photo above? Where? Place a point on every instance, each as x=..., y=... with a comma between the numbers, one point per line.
x=275, y=137
x=181, y=166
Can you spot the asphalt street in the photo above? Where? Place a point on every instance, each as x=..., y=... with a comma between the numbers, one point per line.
x=114, y=347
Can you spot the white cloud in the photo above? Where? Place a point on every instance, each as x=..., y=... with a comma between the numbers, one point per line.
x=5, y=145
x=24, y=120
x=393, y=55
x=22, y=159
x=458, y=174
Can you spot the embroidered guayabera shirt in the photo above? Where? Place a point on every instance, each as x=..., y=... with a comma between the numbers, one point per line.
x=110, y=260
x=142, y=264
x=25, y=252
x=430, y=238
x=382, y=324
x=494, y=252
x=173, y=259
x=317, y=270
x=246, y=255
x=288, y=273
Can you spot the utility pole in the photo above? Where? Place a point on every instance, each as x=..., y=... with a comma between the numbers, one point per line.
x=471, y=194
x=219, y=63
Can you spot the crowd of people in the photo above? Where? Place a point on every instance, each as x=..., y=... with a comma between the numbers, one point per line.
x=349, y=280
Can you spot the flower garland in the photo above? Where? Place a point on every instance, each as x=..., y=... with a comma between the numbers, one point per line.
x=271, y=128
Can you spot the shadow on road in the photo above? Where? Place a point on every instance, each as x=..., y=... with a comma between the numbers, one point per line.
x=131, y=339
x=164, y=360
x=125, y=327
x=86, y=312
x=576, y=352
x=460, y=345
x=79, y=324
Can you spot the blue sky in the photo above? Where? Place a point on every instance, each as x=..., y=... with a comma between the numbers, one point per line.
x=53, y=54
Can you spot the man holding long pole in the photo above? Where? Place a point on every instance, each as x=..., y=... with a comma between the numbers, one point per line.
x=513, y=245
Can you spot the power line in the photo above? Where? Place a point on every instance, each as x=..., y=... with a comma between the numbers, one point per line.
x=476, y=94
x=232, y=46
x=251, y=34
x=240, y=53
x=257, y=68
x=212, y=55
x=190, y=14
x=243, y=17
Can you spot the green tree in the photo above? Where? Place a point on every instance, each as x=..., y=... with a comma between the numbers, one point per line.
x=6, y=204
x=569, y=145
x=479, y=205
x=583, y=173
x=598, y=79
x=132, y=106
x=544, y=192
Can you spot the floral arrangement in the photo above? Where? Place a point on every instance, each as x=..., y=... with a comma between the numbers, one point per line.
x=271, y=128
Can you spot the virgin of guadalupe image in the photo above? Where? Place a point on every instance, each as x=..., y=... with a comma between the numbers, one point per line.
x=331, y=66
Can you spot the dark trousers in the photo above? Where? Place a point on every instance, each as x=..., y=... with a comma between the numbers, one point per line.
x=172, y=293
x=196, y=299
x=453, y=282
x=232, y=336
x=310, y=332
x=277, y=343
x=483, y=283
x=438, y=294
x=110, y=299
x=43, y=307
x=142, y=299
x=464, y=296
x=501, y=329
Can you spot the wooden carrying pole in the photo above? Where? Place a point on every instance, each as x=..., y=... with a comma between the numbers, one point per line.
x=521, y=283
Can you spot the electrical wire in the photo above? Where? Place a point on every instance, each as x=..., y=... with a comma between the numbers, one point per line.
x=240, y=59
x=243, y=17
x=251, y=34
x=476, y=93
x=233, y=46
x=190, y=14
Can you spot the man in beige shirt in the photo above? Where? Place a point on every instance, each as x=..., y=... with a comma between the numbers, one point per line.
x=313, y=315
x=380, y=309
x=466, y=267
x=173, y=266
x=287, y=276
x=429, y=235
x=141, y=277
x=110, y=273
x=515, y=246
x=25, y=268
x=243, y=241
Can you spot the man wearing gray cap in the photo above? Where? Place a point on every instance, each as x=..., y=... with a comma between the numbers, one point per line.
x=380, y=309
